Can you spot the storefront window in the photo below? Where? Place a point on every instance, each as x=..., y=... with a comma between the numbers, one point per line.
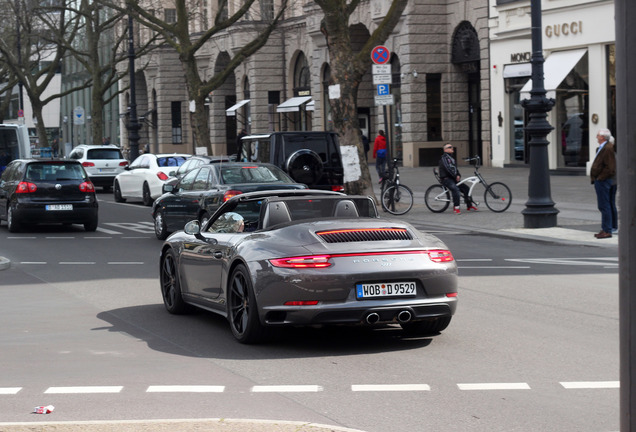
x=572, y=99
x=516, y=140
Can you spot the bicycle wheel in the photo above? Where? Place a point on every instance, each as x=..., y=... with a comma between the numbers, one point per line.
x=397, y=199
x=498, y=197
x=437, y=198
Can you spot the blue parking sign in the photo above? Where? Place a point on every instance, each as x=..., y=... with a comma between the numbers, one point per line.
x=383, y=89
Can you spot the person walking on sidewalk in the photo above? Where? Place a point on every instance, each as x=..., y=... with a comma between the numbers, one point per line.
x=379, y=153
x=450, y=176
x=603, y=175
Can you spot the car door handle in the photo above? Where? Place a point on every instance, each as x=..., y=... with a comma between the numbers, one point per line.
x=218, y=254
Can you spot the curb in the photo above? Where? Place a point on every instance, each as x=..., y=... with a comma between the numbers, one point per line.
x=4, y=263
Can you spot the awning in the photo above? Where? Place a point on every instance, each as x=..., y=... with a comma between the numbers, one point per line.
x=555, y=68
x=517, y=70
x=293, y=104
x=231, y=111
x=311, y=106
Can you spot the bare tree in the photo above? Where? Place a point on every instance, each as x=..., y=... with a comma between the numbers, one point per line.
x=182, y=37
x=98, y=48
x=33, y=55
x=347, y=70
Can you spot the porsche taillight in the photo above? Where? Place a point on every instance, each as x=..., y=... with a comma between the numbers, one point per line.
x=314, y=261
x=440, y=255
x=26, y=187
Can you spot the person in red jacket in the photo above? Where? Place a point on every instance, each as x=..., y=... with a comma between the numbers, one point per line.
x=379, y=153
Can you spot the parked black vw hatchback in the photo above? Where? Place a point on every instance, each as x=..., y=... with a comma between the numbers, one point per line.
x=47, y=191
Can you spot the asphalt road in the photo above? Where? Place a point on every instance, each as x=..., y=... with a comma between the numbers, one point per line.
x=534, y=344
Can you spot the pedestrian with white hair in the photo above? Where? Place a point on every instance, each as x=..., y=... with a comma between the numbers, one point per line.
x=603, y=176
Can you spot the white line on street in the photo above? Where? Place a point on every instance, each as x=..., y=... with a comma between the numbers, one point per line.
x=60, y=238
x=390, y=387
x=494, y=386
x=33, y=262
x=9, y=390
x=185, y=389
x=97, y=238
x=76, y=262
x=286, y=388
x=125, y=263
x=107, y=231
x=474, y=259
x=590, y=384
x=493, y=267
x=21, y=238
x=84, y=390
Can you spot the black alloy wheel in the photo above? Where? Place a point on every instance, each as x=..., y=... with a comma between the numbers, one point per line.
x=242, y=309
x=170, y=284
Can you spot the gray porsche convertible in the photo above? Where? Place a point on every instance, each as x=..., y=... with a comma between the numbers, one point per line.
x=308, y=257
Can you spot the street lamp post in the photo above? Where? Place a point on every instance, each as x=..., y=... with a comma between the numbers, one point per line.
x=133, y=123
x=540, y=211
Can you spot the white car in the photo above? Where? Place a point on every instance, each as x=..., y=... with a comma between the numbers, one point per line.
x=144, y=178
x=101, y=162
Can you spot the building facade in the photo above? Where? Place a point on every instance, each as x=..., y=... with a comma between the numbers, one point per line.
x=440, y=81
x=579, y=73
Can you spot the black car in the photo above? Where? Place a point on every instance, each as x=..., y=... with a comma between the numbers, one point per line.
x=34, y=191
x=309, y=157
x=202, y=190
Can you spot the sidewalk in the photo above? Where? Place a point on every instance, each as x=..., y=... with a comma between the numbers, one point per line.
x=577, y=221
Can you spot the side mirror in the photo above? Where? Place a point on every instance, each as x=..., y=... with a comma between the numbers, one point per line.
x=194, y=228
x=172, y=173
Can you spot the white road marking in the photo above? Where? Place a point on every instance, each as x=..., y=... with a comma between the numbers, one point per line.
x=60, y=238
x=21, y=238
x=84, y=390
x=107, y=231
x=9, y=390
x=33, y=262
x=493, y=267
x=77, y=262
x=97, y=238
x=590, y=384
x=494, y=386
x=185, y=389
x=125, y=263
x=286, y=388
x=140, y=227
x=594, y=261
x=390, y=387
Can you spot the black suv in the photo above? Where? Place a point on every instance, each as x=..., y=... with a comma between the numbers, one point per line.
x=312, y=158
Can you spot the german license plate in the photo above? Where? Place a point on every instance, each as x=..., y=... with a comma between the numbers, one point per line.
x=385, y=289
x=57, y=207
x=105, y=170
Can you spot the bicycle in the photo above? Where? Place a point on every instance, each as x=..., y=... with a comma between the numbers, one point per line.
x=395, y=198
x=497, y=195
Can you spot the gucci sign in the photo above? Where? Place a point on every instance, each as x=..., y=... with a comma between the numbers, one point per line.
x=564, y=29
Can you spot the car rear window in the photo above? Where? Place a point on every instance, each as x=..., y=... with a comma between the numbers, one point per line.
x=170, y=161
x=253, y=174
x=104, y=154
x=311, y=208
x=54, y=172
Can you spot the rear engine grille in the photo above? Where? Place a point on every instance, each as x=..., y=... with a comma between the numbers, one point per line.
x=361, y=235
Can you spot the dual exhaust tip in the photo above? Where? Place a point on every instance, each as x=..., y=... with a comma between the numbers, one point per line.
x=402, y=317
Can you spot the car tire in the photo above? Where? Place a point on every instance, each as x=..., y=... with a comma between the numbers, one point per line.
x=171, y=285
x=426, y=327
x=12, y=225
x=242, y=310
x=305, y=166
x=161, y=230
x=147, y=199
x=91, y=226
x=117, y=193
